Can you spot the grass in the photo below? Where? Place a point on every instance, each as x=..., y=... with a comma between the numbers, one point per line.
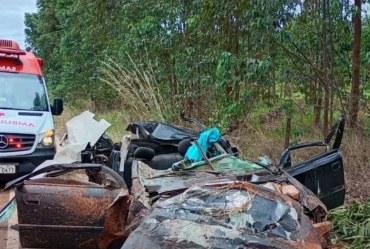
x=139, y=90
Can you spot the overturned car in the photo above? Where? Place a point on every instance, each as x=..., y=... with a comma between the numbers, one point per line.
x=206, y=198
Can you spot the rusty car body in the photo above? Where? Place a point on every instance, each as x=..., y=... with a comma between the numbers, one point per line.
x=205, y=206
x=229, y=214
x=164, y=208
x=176, y=213
x=61, y=209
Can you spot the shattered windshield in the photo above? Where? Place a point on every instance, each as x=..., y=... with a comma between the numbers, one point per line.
x=22, y=92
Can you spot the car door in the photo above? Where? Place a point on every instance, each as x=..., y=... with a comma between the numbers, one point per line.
x=64, y=212
x=323, y=174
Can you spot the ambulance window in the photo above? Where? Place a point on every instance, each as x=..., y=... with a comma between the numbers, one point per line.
x=22, y=92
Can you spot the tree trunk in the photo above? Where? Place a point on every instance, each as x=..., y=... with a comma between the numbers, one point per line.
x=317, y=106
x=173, y=81
x=333, y=87
x=313, y=92
x=236, y=118
x=325, y=70
x=282, y=90
x=288, y=129
x=355, y=89
x=318, y=95
x=228, y=34
x=331, y=113
x=273, y=86
x=237, y=54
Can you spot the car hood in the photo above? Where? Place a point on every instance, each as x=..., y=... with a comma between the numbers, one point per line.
x=28, y=122
x=226, y=215
x=161, y=181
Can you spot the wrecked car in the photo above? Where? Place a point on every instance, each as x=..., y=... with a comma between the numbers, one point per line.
x=226, y=202
x=208, y=191
x=230, y=214
x=323, y=174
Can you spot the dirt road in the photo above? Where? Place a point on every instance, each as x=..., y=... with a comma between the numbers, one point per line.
x=9, y=238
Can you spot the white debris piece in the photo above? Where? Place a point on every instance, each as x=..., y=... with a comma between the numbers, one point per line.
x=81, y=131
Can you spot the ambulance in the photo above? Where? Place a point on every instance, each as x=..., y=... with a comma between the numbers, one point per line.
x=27, y=134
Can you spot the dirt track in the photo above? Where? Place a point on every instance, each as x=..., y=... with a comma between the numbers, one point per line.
x=9, y=238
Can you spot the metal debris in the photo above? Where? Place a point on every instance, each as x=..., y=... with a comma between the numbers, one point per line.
x=226, y=215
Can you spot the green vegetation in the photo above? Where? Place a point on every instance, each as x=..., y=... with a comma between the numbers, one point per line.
x=220, y=61
x=352, y=225
x=269, y=73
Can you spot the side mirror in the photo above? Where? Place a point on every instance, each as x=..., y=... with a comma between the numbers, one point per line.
x=57, y=107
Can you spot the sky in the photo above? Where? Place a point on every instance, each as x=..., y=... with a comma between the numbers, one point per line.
x=12, y=19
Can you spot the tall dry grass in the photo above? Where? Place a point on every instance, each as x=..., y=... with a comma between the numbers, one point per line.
x=356, y=155
x=139, y=89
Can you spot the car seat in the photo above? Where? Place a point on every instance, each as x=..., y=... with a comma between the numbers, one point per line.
x=159, y=162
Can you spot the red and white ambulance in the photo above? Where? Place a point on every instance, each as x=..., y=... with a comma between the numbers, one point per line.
x=27, y=136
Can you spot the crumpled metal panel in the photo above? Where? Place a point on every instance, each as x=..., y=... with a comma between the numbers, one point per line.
x=226, y=215
x=123, y=216
x=59, y=213
x=159, y=182
x=307, y=198
x=224, y=163
x=227, y=167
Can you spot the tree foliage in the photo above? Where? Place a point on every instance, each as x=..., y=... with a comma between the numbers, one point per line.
x=216, y=59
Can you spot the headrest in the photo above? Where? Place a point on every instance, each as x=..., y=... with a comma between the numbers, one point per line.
x=144, y=153
x=183, y=146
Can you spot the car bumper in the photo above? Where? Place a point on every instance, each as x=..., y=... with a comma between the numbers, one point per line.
x=25, y=164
